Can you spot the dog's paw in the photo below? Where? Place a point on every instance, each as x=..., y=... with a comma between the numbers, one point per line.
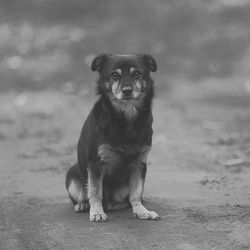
x=98, y=217
x=97, y=214
x=81, y=207
x=147, y=215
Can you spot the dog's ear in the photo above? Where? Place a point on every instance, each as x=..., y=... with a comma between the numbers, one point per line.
x=150, y=63
x=98, y=62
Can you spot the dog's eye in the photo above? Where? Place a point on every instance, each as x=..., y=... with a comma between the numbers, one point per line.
x=115, y=75
x=136, y=74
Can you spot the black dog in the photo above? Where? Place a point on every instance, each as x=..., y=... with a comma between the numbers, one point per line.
x=115, y=139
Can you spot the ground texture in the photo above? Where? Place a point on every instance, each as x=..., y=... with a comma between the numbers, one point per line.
x=198, y=178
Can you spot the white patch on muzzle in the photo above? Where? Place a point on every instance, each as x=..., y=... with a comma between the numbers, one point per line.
x=137, y=89
x=116, y=89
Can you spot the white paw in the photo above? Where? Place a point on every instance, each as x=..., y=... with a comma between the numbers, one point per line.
x=97, y=215
x=147, y=215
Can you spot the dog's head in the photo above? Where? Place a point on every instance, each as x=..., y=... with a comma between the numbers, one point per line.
x=126, y=77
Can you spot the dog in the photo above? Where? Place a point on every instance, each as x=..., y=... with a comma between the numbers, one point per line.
x=115, y=139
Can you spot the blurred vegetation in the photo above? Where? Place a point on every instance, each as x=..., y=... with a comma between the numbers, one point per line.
x=47, y=43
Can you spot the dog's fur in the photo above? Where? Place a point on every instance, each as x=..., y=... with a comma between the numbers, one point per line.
x=115, y=139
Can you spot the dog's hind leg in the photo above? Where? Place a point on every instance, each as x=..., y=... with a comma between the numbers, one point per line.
x=76, y=185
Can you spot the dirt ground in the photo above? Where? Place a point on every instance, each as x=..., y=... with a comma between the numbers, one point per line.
x=198, y=178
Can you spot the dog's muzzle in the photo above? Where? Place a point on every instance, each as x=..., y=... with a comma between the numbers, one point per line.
x=127, y=92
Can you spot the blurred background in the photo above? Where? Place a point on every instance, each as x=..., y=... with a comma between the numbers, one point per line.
x=201, y=143
x=47, y=44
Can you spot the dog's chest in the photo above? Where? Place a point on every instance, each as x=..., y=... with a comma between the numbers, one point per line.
x=122, y=156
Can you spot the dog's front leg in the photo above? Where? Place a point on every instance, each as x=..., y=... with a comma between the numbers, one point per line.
x=136, y=185
x=95, y=180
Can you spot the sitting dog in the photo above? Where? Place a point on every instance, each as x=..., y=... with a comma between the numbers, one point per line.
x=115, y=139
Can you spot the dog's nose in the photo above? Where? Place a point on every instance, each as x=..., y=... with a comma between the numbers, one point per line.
x=127, y=91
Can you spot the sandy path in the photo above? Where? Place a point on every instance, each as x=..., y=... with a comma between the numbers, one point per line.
x=198, y=178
